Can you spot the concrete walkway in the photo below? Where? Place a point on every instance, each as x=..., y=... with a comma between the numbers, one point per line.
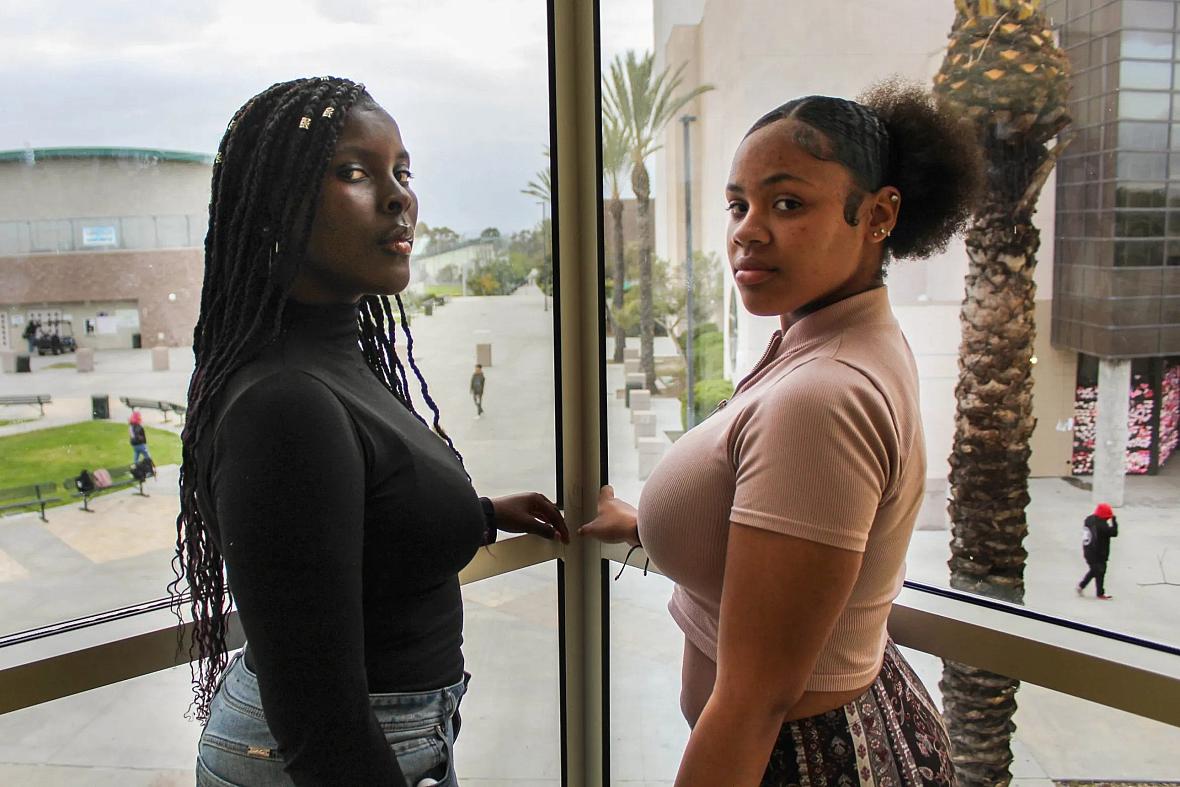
x=134, y=734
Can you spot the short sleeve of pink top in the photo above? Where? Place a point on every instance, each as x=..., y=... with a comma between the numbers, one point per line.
x=821, y=441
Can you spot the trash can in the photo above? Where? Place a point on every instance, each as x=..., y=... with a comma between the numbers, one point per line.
x=136, y=341
x=100, y=407
x=23, y=364
x=428, y=308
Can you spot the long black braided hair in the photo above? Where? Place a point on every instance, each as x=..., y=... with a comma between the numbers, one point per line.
x=266, y=183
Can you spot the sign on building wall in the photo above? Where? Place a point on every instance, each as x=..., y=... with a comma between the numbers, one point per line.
x=99, y=236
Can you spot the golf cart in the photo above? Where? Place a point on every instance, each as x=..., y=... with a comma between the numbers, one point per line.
x=56, y=337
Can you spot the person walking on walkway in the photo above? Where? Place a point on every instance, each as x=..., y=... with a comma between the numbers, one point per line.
x=1099, y=528
x=30, y=335
x=138, y=437
x=477, y=381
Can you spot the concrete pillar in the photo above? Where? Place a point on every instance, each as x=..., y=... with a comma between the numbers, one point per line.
x=631, y=366
x=630, y=353
x=1110, y=430
x=84, y=359
x=8, y=361
x=160, y=359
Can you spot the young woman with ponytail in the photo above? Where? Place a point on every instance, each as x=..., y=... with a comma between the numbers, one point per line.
x=784, y=518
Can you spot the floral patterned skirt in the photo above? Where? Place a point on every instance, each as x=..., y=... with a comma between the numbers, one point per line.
x=890, y=736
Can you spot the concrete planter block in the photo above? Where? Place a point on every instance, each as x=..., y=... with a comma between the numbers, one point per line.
x=634, y=382
x=645, y=425
x=650, y=450
x=159, y=359
x=8, y=361
x=640, y=400
x=84, y=358
x=630, y=353
x=631, y=366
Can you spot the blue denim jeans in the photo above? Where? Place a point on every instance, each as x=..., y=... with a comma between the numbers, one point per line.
x=237, y=749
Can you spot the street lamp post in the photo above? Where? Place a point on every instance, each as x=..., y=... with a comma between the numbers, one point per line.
x=544, y=252
x=690, y=394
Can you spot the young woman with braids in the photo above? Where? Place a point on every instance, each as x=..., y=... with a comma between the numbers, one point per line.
x=310, y=483
x=801, y=491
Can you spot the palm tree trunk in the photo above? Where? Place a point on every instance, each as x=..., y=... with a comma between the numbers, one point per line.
x=616, y=212
x=989, y=469
x=647, y=323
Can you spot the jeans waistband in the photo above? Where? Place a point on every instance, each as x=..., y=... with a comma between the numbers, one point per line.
x=394, y=709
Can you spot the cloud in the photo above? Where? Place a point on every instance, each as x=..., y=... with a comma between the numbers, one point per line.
x=467, y=81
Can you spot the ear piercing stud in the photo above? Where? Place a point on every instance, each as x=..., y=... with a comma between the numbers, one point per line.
x=893, y=198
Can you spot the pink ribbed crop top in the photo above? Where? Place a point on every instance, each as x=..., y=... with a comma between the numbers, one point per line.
x=821, y=441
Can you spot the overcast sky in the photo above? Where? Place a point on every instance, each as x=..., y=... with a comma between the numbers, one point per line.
x=467, y=80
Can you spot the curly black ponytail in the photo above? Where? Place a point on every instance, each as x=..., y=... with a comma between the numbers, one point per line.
x=895, y=135
x=934, y=162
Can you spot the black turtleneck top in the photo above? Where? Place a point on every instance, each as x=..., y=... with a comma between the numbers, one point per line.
x=344, y=522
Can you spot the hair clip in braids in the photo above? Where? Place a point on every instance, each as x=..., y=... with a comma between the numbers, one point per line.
x=304, y=122
x=328, y=112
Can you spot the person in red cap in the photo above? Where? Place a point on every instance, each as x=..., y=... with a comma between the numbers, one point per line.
x=1099, y=528
x=138, y=437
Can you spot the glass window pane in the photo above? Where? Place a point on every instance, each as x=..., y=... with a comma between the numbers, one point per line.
x=1150, y=76
x=1139, y=224
x=1143, y=136
x=1139, y=195
x=102, y=231
x=1145, y=106
x=134, y=732
x=1142, y=166
x=1049, y=725
x=1147, y=46
x=1148, y=13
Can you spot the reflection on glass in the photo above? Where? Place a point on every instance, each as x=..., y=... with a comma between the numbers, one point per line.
x=103, y=214
x=1147, y=46
x=1142, y=166
x=1139, y=224
x=1147, y=13
x=1145, y=106
x=1148, y=136
x=1149, y=76
x=1139, y=195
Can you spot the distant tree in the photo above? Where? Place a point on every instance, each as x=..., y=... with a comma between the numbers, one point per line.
x=489, y=233
x=644, y=103
x=443, y=238
x=539, y=186
x=615, y=158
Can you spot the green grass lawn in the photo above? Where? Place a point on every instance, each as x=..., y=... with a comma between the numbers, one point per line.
x=444, y=289
x=63, y=451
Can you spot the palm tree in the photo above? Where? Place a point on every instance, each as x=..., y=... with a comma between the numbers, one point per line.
x=614, y=163
x=1004, y=72
x=539, y=186
x=644, y=102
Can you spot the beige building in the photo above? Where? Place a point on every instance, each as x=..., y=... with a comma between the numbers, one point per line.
x=808, y=49
x=109, y=240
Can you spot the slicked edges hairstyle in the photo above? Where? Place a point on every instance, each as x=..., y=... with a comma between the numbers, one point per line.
x=896, y=136
x=266, y=183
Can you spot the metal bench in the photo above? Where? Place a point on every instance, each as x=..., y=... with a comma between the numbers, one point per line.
x=38, y=399
x=31, y=496
x=136, y=403
x=121, y=478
